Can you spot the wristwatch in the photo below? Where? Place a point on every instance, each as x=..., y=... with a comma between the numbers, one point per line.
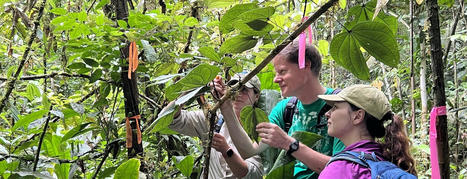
x=229, y=153
x=293, y=147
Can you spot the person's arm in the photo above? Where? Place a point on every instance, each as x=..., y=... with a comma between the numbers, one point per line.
x=191, y=123
x=245, y=146
x=274, y=136
x=237, y=165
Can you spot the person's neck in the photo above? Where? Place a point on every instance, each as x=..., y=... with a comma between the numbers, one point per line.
x=310, y=92
x=354, y=137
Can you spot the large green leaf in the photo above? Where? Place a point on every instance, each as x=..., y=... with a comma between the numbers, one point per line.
x=377, y=39
x=307, y=138
x=346, y=52
x=200, y=76
x=128, y=170
x=188, y=98
x=210, y=53
x=323, y=47
x=163, y=119
x=268, y=99
x=238, y=44
x=284, y=171
x=257, y=14
x=225, y=25
x=24, y=121
x=251, y=117
x=184, y=164
x=254, y=27
x=76, y=131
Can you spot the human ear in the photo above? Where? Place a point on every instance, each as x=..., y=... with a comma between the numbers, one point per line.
x=358, y=117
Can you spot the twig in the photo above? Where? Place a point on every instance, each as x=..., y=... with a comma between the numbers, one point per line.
x=150, y=101
x=54, y=74
x=11, y=84
x=36, y=160
x=90, y=7
x=108, y=148
x=453, y=31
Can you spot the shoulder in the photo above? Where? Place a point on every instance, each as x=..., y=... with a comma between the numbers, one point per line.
x=345, y=169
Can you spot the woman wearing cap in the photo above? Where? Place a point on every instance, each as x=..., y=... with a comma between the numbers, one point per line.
x=224, y=161
x=358, y=116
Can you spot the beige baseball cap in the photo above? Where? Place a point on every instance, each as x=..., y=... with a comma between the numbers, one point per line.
x=366, y=97
x=252, y=83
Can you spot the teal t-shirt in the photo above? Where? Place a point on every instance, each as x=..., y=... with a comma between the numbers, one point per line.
x=306, y=120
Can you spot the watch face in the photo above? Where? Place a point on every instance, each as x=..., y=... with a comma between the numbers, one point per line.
x=229, y=153
x=294, y=146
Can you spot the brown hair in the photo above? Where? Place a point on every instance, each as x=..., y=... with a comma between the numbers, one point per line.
x=395, y=144
x=311, y=54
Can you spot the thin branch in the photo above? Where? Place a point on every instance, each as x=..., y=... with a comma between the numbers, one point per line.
x=150, y=101
x=11, y=84
x=92, y=5
x=108, y=148
x=54, y=74
x=36, y=160
x=453, y=31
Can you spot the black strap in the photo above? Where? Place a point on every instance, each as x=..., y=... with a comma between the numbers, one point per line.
x=289, y=112
x=291, y=109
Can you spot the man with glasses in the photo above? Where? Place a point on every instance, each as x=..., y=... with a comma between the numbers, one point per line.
x=225, y=162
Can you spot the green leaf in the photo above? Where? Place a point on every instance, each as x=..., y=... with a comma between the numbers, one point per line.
x=225, y=25
x=163, y=119
x=448, y=3
x=377, y=39
x=219, y=3
x=90, y=62
x=191, y=95
x=102, y=3
x=284, y=171
x=107, y=172
x=346, y=52
x=122, y=24
x=191, y=21
x=82, y=16
x=58, y=11
x=268, y=99
x=255, y=27
x=32, y=92
x=210, y=53
x=77, y=65
x=201, y=75
x=342, y=4
x=185, y=165
x=95, y=75
x=323, y=47
x=77, y=108
x=149, y=52
x=104, y=90
x=128, y=170
x=257, y=14
x=76, y=131
x=251, y=117
x=24, y=121
x=238, y=44
x=304, y=137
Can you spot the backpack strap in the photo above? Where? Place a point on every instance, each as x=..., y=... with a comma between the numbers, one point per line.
x=323, y=111
x=355, y=157
x=289, y=111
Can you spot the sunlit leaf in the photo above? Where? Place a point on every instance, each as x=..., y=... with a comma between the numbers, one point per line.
x=76, y=131
x=149, y=52
x=58, y=11
x=201, y=75
x=24, y=121
x=210, y=53
x=225, y=25
x=128, y=170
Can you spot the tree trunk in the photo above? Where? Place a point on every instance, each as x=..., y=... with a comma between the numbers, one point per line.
x=423, y=93
x=412, y=78
x=130, y=92
x=438, y=87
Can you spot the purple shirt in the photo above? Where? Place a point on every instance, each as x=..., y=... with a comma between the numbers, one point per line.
x=347, y=169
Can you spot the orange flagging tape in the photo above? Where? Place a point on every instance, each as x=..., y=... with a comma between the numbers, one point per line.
x=129, y=136
x=132, y=58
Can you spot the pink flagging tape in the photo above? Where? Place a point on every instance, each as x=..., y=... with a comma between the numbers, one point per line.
x=301, y=50
x=435, y=112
